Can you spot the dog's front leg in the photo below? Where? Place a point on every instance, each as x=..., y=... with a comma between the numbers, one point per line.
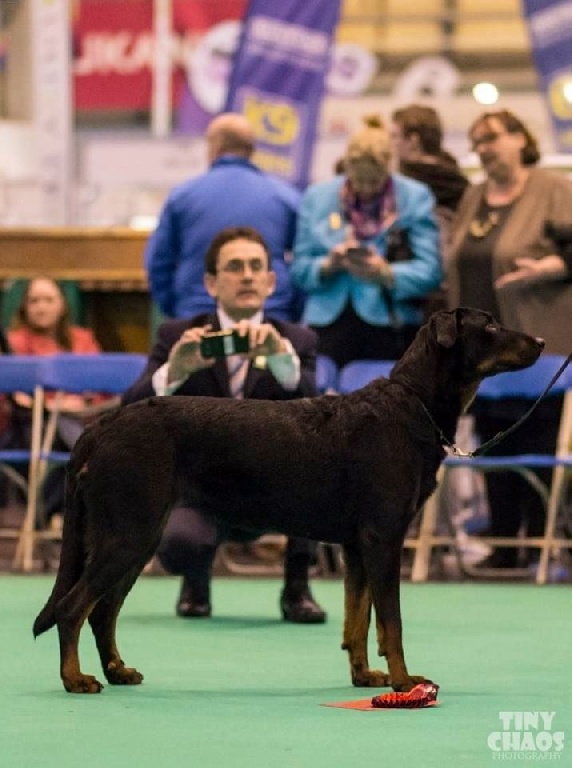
x=356, y=621
x=383, y=561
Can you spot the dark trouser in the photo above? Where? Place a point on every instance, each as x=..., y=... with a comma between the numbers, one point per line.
x=189, y=545
x=512, y=500
x=351, y=338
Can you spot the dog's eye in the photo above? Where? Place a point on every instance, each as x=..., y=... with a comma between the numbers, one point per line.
x=490, y=328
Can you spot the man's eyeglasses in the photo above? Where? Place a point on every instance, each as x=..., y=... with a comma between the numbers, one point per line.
x=238, y=266
x=486, y=138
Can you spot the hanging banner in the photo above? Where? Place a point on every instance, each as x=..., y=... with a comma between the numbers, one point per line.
x=277, y=79
x=114, y=53
x=550, y=29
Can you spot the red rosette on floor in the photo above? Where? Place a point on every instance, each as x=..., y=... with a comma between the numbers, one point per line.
x=423, y=695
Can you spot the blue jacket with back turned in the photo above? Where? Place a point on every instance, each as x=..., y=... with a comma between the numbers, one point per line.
x=233, y=192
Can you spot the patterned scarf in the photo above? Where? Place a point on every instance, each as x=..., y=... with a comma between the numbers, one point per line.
x=369, y=218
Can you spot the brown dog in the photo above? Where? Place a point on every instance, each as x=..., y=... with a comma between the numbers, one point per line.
x=353, y=469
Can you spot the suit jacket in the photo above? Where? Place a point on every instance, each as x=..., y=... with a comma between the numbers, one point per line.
x=260, y=384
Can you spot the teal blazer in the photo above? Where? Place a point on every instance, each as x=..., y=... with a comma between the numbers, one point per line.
x=320, y=227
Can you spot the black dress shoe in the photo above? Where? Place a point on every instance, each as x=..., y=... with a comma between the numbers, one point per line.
x=188, y=608
x=301, y=609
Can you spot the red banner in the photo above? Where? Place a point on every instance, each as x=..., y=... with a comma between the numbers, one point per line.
x=114, y=48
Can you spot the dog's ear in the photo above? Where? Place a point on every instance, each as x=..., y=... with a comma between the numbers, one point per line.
x=444, y=328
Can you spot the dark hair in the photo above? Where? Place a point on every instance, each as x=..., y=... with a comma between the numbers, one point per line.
x=425, y=122
x=227, y=236
x=530, y=154
x=63, y=326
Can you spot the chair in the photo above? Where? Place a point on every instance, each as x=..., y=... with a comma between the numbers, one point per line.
x=326, y=375
x=19, y=373
x=105, y=373
x=528, y=383
x=358, y=373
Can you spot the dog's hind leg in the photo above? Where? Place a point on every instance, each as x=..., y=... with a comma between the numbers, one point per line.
x=103, y=621
x=71, y=613
x=102, y=576
x=356, y=621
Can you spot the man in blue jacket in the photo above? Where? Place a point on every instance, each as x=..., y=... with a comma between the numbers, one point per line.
x=233, y=192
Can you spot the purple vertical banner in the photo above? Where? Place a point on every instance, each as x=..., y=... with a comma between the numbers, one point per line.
x=550, y=30
x=277, y=79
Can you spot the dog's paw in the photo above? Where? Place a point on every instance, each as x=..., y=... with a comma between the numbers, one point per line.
x=370, y=678
x=409, y=683
x=119, y=674
x=83, y=684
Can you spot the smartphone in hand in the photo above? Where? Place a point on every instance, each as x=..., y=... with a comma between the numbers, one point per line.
x=357, y=254
x=224, y=343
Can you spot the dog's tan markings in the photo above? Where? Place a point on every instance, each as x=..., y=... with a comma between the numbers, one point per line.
x=72, y=677
x=113, y=665
x=468, y=395
x=486, y=366
x=118, y=674
x=381, y=650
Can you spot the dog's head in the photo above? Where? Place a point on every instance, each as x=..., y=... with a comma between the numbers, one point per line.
x=479, y=346
x=487, y=347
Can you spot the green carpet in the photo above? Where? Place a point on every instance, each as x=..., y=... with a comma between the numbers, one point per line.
x=244, y=689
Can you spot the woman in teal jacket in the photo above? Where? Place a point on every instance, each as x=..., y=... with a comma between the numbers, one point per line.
x=366, y=252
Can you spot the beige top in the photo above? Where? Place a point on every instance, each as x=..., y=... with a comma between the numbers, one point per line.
x=540, y=308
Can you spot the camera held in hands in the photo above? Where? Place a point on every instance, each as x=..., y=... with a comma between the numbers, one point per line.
x=224, y=343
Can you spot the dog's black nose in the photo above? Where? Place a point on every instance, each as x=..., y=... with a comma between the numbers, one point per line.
x=541, y=343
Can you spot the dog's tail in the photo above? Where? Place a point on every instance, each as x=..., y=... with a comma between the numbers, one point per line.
x=72, y=557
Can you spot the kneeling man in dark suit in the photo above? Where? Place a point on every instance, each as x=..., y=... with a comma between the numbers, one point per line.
x=279, y=364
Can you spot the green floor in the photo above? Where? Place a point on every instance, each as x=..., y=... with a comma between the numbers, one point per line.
x=244, y=689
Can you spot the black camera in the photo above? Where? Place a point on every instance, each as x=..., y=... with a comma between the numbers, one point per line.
x=224, y=343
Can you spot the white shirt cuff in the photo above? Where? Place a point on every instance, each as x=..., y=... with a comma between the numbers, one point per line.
x=159, y=381
x=285, y=367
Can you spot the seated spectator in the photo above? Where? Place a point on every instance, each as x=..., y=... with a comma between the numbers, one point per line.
x=42, y=326
x=280, y=365
x=366, y=251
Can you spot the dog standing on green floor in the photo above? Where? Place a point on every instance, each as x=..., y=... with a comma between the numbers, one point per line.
x=353, y=470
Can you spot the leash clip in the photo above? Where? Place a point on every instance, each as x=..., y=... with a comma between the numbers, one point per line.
x=456, y=451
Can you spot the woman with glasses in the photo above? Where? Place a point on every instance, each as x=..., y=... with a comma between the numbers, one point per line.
x=505, y=261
